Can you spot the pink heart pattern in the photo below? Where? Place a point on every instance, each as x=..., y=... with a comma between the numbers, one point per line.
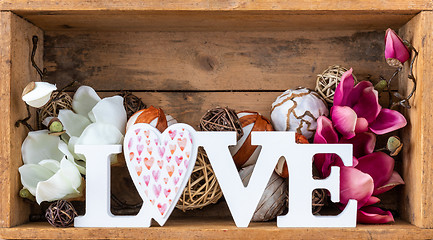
x=160, y=184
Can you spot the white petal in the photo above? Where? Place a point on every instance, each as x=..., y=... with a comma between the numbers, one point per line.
x=73, y=123
x=39, y=145
x=32, y=174
x=85, y=98
x=64, y=184
x=100, y=134
x=71, y=148
x=110, y=110
x=40, y=95
x=64, y=149
x=50, y=164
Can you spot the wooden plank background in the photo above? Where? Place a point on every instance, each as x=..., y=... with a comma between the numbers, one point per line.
x=237, y=5
x=418, y=151
x=16, y=71
x=210, y=61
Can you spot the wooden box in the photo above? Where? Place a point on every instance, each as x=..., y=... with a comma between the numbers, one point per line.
x=188, y=56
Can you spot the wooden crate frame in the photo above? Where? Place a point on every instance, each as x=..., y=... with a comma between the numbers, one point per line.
x=19, y=20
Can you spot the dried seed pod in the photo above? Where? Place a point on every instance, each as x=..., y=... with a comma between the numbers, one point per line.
x=274, y=198
x=245, y=154
x=153, y=116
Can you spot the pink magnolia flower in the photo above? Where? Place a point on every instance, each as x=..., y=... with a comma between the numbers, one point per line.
x=356, y=109
x=396, y=53
x=372, y=172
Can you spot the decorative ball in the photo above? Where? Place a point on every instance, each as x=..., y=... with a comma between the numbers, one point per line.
x=244, y=154
x=61, y=213
x=281, y=168
x=153, y=116
x=298, y=110
x=221, y=119
x=328, y=81
x=54, y=105
x=132, y=103
x=274, y=198
x=202, y=188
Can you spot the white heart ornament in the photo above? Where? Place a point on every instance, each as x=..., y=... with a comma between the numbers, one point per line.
x=160, y=165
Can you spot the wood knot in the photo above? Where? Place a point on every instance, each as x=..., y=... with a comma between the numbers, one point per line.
x=207, y=63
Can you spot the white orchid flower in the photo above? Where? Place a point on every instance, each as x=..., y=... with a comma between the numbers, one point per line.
x=51, y=180
x=37, y=94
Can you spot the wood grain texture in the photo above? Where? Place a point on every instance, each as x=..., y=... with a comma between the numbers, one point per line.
x=209, y=60
x=216, y=20
x=217, y=228
x=418, y=150
x=16, y=72
x=237, y=5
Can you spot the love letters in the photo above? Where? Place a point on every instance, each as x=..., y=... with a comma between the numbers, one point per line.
x=160, y=165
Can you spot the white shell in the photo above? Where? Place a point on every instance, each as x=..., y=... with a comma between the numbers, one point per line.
x=40, y=95
x=274, y=198
x=247, y=130
x=298, y=110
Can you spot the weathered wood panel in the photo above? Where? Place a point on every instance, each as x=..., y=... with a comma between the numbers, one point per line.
x=237, y=5
x=16, y=71
x=209, y=60
x=217, y=228
x=417, y=136
x=216, y=20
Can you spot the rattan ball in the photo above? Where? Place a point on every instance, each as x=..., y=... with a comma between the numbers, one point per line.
x=318, y=199
x=202, y=188
x=327, y=82
x=61, y=213
x=132, y=103
x=52, y=108
x=221, y=119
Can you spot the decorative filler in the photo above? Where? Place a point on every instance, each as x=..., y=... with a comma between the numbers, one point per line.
x=242, y=201
x=274, y=198
x=244, y=154
x=58, y=101
x=356, y=118
x=61, y=213
x=202, y=188
x=327, y=82
x=298, y=110
x=153, y=116
x=221, y=119
x=37, y=94
x=131, y=103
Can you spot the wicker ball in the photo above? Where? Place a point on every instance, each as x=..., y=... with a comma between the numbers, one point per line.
x=61, y=213
x=221, y=119
x=131, y=103
x=202, y=188
x=52, y=108
x=328, y=81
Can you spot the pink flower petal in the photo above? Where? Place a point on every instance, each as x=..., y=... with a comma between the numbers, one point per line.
x=325, y=132
x=361, y=125
x=378, y=165
x=342, y=92
x=372, y=200
x=374, y=215
x=394, y=47
x=393, y=181
x=344, y=119
x=387, y=121
x=363, y=143
x=355, y=184
x=368, y=105
x=356, y=93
